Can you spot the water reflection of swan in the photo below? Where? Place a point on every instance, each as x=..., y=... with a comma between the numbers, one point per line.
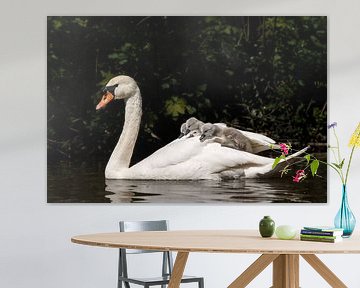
x=205, y=191
x=128, y=191
x=182, y=159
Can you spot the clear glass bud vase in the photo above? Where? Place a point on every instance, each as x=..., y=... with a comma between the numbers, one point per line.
x=345, y=219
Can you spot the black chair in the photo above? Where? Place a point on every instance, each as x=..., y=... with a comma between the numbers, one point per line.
x=167, y=265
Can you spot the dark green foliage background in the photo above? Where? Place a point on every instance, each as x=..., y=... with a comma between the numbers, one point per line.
x=262, y=74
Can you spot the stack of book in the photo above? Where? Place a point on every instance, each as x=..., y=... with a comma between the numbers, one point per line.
x=321, y=234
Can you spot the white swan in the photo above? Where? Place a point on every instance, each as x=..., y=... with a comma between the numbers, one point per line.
x=181, y=159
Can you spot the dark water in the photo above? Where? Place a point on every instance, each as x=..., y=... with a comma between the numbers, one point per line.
x=74, y=183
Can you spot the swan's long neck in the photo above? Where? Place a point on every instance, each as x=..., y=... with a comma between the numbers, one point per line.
x=121, y=156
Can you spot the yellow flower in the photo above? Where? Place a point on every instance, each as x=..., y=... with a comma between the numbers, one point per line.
x=355, y=138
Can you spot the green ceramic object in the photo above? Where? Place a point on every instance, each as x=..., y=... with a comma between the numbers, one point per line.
x=266, y=226
x=285, y=232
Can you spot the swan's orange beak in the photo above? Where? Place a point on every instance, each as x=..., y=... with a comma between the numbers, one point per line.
x=106, y=98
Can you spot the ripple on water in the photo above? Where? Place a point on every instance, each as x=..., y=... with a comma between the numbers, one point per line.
x=71, y=183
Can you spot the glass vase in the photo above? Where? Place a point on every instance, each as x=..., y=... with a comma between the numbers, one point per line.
x=345, y=219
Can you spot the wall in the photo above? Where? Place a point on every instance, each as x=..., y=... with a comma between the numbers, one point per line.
x=35, y=248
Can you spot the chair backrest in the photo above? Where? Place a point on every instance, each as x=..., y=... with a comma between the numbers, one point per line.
x=134, y=226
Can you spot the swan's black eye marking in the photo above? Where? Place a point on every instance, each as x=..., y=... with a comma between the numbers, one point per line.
x=110, y=89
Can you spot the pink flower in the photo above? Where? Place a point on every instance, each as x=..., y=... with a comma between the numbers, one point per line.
x=300, y=172
x=284, y=148
x=300, y=175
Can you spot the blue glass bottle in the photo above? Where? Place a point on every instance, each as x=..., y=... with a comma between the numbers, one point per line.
x=345, y=218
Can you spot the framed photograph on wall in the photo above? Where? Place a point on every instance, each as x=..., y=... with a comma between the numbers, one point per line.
x=207, y=109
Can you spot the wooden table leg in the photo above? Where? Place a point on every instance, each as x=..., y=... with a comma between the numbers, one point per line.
x=253, y=270
x=178, y=269
x=293, y=262
x=324, y=271
x=286, y=271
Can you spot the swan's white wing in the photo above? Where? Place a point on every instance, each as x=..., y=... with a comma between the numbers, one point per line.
x=251, y=135
x=260, y=142
x=221, y=158
x=191, y=159
x=257, y=137
x=177, y=151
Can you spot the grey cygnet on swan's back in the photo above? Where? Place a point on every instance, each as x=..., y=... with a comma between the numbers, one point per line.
x=226, y=136
x=193, y=124
x=182, y=130
x=191, y=127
